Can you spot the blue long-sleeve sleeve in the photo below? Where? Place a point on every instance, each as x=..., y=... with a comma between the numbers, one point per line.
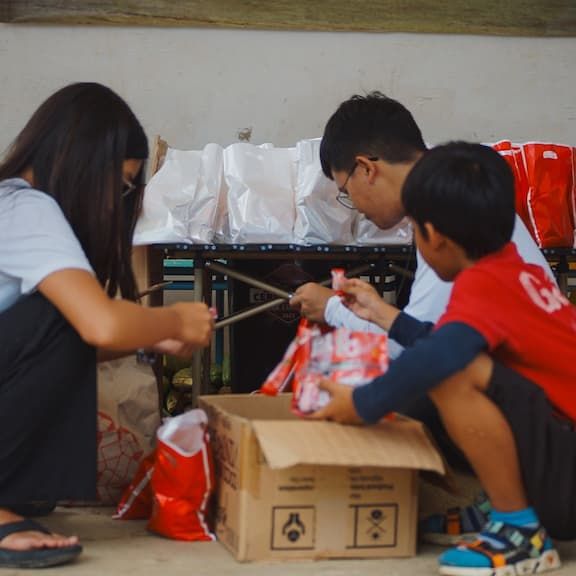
x=406, y=329
x=431, y=360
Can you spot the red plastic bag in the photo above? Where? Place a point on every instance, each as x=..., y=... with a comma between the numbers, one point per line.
x=136, y=501
x=550, y=171
x=183, y=478
x=513, y=154
x=545, y=186
x=347, y=357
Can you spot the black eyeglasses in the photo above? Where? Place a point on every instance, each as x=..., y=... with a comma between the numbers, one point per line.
x=128, y=188
x=343, y=195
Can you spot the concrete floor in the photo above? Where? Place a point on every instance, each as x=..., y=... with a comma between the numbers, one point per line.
x=121, y=548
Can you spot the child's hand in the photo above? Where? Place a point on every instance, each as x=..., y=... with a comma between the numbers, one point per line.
x=196, y=323
x=341, y=406
x=362, y=298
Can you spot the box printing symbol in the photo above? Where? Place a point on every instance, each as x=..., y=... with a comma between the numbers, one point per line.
x=376, y=519
x=293, y=527
x=375, y=525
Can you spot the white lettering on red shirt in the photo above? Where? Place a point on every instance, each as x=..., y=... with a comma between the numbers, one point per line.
x=545, y=295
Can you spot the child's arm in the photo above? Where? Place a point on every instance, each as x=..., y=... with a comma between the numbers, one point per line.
x=406, y=329
x=119, y=324
x=430, y=361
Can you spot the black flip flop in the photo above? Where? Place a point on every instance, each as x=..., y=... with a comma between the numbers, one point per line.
x=38, y=557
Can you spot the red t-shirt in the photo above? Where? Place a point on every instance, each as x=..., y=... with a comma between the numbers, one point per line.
x=528, y=324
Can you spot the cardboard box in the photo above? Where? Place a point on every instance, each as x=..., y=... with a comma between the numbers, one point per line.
x=290, y=489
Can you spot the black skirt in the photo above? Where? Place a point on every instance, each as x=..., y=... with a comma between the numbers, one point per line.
x=48, y=407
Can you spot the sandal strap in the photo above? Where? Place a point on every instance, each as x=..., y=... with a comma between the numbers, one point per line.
x=25, y=525
x=452, y=523
x=529, y=539
x=517, y=543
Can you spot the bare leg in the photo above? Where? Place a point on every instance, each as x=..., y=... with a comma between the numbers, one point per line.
x=479, y=429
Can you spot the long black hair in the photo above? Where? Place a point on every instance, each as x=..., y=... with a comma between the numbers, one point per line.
x=75, y=144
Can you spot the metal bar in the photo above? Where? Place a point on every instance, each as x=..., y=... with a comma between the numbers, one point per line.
x=402, y=271
x=562, y=270
x=221, y=269
x=154, y=288
x=233, y=318
x=198, y=368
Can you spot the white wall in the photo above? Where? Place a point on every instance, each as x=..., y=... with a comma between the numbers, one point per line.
x=195, y=86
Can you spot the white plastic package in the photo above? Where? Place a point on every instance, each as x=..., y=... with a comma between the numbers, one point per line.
x=320, y=218
x=181, y=199
x=368, y=234
x=260, y=182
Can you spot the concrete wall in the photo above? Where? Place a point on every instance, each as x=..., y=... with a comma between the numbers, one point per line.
x=195, y=86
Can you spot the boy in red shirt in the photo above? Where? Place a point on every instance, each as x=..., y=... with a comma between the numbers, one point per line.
x=499, y=369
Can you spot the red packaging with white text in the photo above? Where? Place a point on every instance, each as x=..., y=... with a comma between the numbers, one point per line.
x=346, y=357
x=320, y=352
x=183, y=478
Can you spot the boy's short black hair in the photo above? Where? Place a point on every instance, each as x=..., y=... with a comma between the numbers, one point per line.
x=466, y=191
x=373, y=125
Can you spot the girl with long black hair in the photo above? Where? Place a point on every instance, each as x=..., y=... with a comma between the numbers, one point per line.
x=70, y=194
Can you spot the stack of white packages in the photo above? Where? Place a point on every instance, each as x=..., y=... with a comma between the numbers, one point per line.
x=246, y=194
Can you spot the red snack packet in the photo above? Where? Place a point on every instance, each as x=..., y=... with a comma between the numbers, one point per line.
x=347, y=357
x=338, y=274
x=318, y=352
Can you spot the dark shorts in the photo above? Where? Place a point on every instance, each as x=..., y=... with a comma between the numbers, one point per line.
x=546, y=444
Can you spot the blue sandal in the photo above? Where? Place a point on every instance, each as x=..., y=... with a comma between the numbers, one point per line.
x=456, y=524
x=516, y=551
x=37, y=557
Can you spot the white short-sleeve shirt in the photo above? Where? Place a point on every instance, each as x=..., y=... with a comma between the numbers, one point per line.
x=35, y=240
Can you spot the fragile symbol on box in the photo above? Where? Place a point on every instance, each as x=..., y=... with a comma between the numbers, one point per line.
x=375, y=525
x=293, y=528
